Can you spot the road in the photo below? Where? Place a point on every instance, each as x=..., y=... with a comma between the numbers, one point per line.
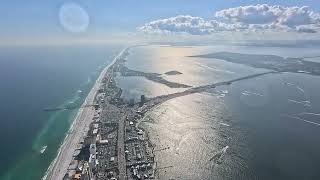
x=78, y=130
x=121, y=153
x=161, y=99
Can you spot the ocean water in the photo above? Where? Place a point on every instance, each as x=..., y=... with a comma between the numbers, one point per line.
x=33, y=78
x=262, y=128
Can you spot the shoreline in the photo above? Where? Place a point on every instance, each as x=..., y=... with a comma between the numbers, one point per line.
x=59, y=165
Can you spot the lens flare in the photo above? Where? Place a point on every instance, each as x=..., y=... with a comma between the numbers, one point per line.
x=73, y=18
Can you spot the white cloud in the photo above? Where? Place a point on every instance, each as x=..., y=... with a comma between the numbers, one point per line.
x=259, y=14
x=183, y=24
x=243, y=18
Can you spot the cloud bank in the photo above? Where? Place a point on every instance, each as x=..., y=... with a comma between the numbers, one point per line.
x=254, y=18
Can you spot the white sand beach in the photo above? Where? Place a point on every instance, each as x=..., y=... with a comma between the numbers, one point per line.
x=77, y=132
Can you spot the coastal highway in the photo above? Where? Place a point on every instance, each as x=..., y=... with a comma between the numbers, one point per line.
x=78, y=130
x=121, y=153
x=163, y=98
x=80, y=127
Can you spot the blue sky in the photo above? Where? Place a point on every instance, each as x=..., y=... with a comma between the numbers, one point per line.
x=40, y=18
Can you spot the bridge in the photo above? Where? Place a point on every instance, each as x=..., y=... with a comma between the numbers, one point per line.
x=199, y=89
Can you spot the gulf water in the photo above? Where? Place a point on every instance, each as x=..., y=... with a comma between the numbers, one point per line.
x=33, y=78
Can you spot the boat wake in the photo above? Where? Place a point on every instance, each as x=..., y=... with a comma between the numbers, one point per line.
x=304, y=103
x=214, y=69
x=310, y=113
x=224, y=124
x=218, y=157
x=300, y=89
x=301, y=119
x=222, y=93
x=249, y=93
x=43, y=149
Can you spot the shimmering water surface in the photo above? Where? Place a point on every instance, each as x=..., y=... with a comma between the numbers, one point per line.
x=262, y=128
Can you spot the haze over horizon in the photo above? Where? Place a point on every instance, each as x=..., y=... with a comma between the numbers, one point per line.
x=65, y=22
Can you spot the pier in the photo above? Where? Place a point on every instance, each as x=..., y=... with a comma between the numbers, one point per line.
x=71, y=107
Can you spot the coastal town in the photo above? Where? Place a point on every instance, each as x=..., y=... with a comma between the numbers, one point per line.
x=106, y=141
x=160, y=90
x=114, y=147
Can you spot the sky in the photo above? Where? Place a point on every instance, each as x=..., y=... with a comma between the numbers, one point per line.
x=47, y=20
